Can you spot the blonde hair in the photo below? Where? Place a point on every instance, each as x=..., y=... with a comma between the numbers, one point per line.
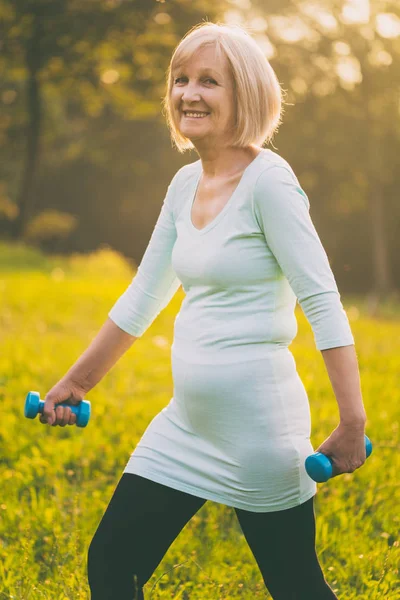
x=257, y=92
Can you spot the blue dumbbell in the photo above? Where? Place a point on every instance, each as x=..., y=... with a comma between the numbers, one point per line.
x=33, y=405
x=320, y=467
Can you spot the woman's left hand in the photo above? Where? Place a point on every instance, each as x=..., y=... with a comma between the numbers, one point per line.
x=346, y=448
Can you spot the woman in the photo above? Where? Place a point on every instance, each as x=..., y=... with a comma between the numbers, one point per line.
x=235, y=230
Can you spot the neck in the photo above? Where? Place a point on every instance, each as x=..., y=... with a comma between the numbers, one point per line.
x=226, y=162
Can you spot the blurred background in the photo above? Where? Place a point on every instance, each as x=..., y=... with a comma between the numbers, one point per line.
x=85, y=161
x=86, y=155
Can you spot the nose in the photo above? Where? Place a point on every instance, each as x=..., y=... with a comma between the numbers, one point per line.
x=190, y=94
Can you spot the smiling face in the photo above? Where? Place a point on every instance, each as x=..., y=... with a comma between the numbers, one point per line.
x=204, y=83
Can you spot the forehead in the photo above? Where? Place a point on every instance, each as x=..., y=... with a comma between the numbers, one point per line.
x=206, y=58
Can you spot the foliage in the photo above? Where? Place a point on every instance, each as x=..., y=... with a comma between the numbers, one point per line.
x=104, y=262
x=99, y=71
x=48, y=227
x=57, y=482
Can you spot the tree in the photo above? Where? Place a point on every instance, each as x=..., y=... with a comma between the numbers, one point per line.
x=348, y=59
x=90, y=58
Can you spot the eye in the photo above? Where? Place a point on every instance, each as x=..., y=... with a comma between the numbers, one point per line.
x=207, y=79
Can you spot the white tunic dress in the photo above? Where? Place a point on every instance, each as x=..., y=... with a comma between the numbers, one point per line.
x=237, y=428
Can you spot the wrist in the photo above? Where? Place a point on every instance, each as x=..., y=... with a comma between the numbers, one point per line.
x=80, y=386
x=355, y=423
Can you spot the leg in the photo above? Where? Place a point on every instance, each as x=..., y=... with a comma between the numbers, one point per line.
x=142, y=520
x=283, y=544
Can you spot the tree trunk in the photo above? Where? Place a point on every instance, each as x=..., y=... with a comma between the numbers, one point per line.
x=375, y=140
x=383, y=284
x=31, y=159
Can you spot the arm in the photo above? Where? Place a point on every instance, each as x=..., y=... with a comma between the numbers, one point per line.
x=155, y=282
x=282, y=210
x=151, y=289
x=105, y=350
x=342, y=366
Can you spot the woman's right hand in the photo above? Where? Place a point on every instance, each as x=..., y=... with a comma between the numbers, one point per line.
x=63, y=391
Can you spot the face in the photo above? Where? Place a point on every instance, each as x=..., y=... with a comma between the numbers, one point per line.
x=204, y=84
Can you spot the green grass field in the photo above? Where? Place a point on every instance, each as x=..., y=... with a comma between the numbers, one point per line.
x=57, y=482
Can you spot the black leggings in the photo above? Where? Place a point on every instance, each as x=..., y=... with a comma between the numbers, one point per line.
x=143, y=518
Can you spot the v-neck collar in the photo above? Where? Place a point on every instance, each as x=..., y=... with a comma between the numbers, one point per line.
x=228, y=204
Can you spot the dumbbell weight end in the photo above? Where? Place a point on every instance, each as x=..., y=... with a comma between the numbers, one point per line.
x=320, y=467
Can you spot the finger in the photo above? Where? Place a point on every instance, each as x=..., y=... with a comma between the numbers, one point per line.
x=48, y=411
x=46, y=419
x=72, y=419
x=53, y=419
x=60, y=411
x=65, y=417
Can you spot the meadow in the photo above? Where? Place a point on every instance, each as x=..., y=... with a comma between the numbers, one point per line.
x=56, y=482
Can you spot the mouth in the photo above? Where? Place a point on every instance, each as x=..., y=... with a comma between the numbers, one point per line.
x=186, y=114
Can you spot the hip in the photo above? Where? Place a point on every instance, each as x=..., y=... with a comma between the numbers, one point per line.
x=262, y=398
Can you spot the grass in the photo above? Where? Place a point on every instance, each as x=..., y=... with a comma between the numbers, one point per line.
x=57, y=482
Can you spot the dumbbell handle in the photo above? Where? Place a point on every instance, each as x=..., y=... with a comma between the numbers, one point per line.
x=320, y=467
x=33, y=405
x=74, y=408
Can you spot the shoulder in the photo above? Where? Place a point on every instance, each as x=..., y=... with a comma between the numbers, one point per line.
x=184, y=177
x=273, y=166
x=187, y=172
x=276, y=181
x=180, y=185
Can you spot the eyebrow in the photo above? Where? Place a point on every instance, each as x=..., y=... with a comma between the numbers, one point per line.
x=202, y=71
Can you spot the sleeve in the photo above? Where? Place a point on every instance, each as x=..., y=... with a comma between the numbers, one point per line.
x=155, y=282
x=281, y=209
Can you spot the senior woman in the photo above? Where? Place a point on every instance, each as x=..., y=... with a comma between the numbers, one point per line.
x=235, y=230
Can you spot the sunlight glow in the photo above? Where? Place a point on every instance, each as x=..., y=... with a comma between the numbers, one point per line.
x=349, y=72
x=378, y=56
x=324, y=18
x=258, y=24
x=266, y=47
x=242, y=4
x=290, y=29
x=356, y=11
x=388, y=25
x=342, y=48
x=323, y=88
x=162, y=18
x=233, y=17
x=110, y=76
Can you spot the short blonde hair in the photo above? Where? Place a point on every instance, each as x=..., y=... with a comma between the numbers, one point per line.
x=257, y=92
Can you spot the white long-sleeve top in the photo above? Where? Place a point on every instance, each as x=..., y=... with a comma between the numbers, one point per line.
x=237, y=428
x=242, y=272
